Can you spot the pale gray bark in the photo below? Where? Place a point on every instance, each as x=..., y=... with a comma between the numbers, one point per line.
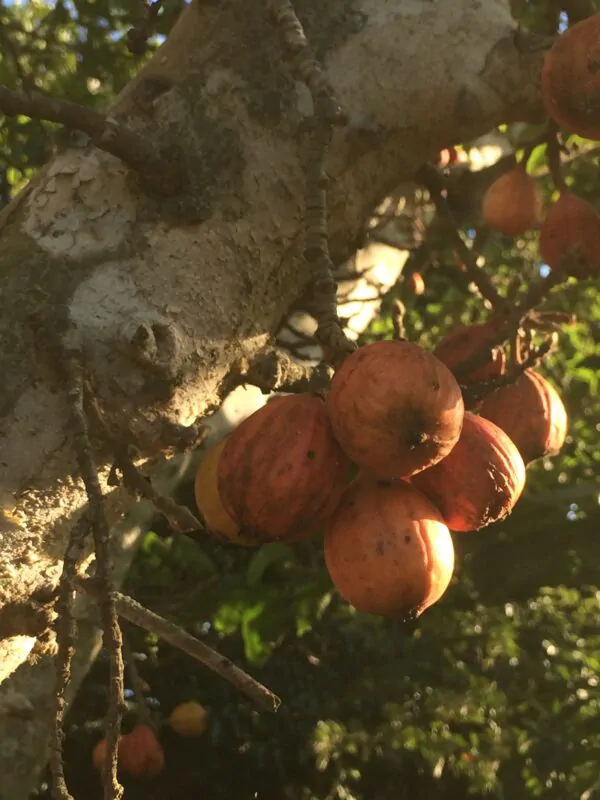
x=211, y=273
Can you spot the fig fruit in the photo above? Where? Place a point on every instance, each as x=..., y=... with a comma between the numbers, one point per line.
x=531, y=412
x=100, y=754
x=388, y=550
x=570, y=81
x=140, y=752
x=395, y=408
x=463, y=342
x=570, y=236
x=189, y=719
x=480, y=481
x=513, y=203
x=208, y=499
x=281, y=472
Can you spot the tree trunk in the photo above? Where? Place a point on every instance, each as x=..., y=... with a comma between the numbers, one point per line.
x=172, y=295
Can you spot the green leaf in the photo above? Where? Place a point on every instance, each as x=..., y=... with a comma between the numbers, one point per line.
x=267, y=555
x=188, y=554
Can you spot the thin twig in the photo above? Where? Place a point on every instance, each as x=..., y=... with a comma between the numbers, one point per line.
x=138, y=684
x=140, y=153
x=138, y=35
x=554, y=160
x=431, y=180
x=73, y=368
x=514, y=353
x=327, y=114
x=539, y=290
x=398, y=312
x=179, y=517
x=65, y=636
x=547, y=321
x=583, y=153
x=132, y=611
x=475, y=393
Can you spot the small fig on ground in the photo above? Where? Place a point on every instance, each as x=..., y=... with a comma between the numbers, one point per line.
x=513, y=203
x=281, y=472
x=208, y=500
x=395, y=408
x=570, y=236
x=571, y=79
x=480, y=481
x=388, y=550
x=531, y=412
x=189, y=719
x=463, y=342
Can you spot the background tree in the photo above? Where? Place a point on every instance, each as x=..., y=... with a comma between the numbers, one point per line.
x=165, y=238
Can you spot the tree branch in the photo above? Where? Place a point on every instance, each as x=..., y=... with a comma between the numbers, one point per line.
x=73, y=373
x=66, y=640
x=431, y=180
x=139, y=153
x=131, y=610
x=274, y=371
x=327, y=114
x=179, y=517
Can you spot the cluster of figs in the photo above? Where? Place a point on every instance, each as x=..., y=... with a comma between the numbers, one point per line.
x=386, y=463
x=570, y=230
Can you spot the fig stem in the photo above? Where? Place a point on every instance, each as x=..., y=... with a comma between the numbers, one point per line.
x=398, y=313
x=554, y=159
x=137, y=683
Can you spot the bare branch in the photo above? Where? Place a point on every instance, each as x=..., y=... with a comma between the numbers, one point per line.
x=180, y=518
x=327, y=114
x=476, y=392
x=430, y=179
x=138, y=35
x=132, y=611
x=65, y=635
x=138, y=684
x=273, y=370
x=139, y=153
x=73, y=369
